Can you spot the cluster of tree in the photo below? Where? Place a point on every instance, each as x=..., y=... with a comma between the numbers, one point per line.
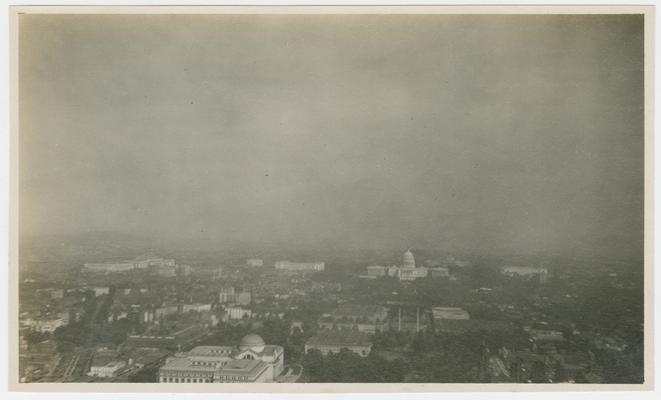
x=115, y=332
x=621, y=367
x=446, y=358
x=33, y=337
x=391, y=340
x=425, y=357
x=347, y=366
x=145, y=375
x=72, y=335
x=226, y=335
x=449, y=364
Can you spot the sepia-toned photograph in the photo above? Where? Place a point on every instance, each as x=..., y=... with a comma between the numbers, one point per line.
x=302, y=196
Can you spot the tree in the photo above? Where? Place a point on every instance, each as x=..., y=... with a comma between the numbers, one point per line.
x=560, y=372
x=538, y=374
x=33, y=337
x=313, y=365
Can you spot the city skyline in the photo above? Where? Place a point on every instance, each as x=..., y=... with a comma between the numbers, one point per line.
x=316, y=198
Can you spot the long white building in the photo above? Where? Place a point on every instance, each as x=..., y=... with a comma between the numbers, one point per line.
x=138, y=263
x=300, y=266
x=540, y=273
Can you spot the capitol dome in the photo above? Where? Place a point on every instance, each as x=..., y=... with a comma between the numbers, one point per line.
x=252, y=342
x=409, y=260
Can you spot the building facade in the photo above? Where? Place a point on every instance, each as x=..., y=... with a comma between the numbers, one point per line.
x=300, y=266
x=540, y=273
x=407, y=271
x=449, y=313
x=332, y=341
x=255, y=262
x=251, y=361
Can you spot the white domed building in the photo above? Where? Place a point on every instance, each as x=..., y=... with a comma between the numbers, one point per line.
x=251, y=361
x=409, y=260
x=408, y=270
x=252, y=342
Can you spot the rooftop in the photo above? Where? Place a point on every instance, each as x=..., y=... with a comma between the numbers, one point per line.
x=210, y=351
x=358, y=310
x=243, y=368
x=183, y=363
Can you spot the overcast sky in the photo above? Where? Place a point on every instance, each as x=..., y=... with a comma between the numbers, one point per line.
x=516, y=132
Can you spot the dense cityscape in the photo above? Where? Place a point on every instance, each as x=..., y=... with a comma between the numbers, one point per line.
x=322, y=197
x=406, y=316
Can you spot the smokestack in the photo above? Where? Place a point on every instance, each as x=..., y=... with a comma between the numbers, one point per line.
x=417, y=319
x=399, y=320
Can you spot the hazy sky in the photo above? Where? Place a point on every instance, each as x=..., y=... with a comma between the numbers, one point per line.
x=514, y=132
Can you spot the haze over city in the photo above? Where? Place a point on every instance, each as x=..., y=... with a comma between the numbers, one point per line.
x=368, y=198
x=508, y=132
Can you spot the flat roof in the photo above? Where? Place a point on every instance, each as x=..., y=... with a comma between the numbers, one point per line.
x=243, y=367
x=348, y=309
x=210, y=351
x=185, y=364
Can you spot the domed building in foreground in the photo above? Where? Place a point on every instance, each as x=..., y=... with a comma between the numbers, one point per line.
x=251, y=361
x=252, y=342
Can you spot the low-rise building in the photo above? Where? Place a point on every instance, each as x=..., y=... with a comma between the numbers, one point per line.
x=243, y=298
x=100, y=290
x=255, y=262
x=377, y=271
x=124, y=266
x=108, y=370
x=609, y=343
x=169, y=338
x=449, y=313
x=166, y=271
x=197, y=307
x=105, y=364
x=547, y=335
x=439, y=272
x=164, y=311
x=46, y=324
x=109, y=267
x=238, y=312
x=457, y=326
x=184, y=270
x=362, y=317
x=300, y=266
x=332, y=341
x=226, y=295
x=207, y=272
x=244, y=371
x=540, y=273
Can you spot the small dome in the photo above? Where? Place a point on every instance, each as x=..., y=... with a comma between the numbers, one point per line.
x=409, y=260
x=252, y=342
